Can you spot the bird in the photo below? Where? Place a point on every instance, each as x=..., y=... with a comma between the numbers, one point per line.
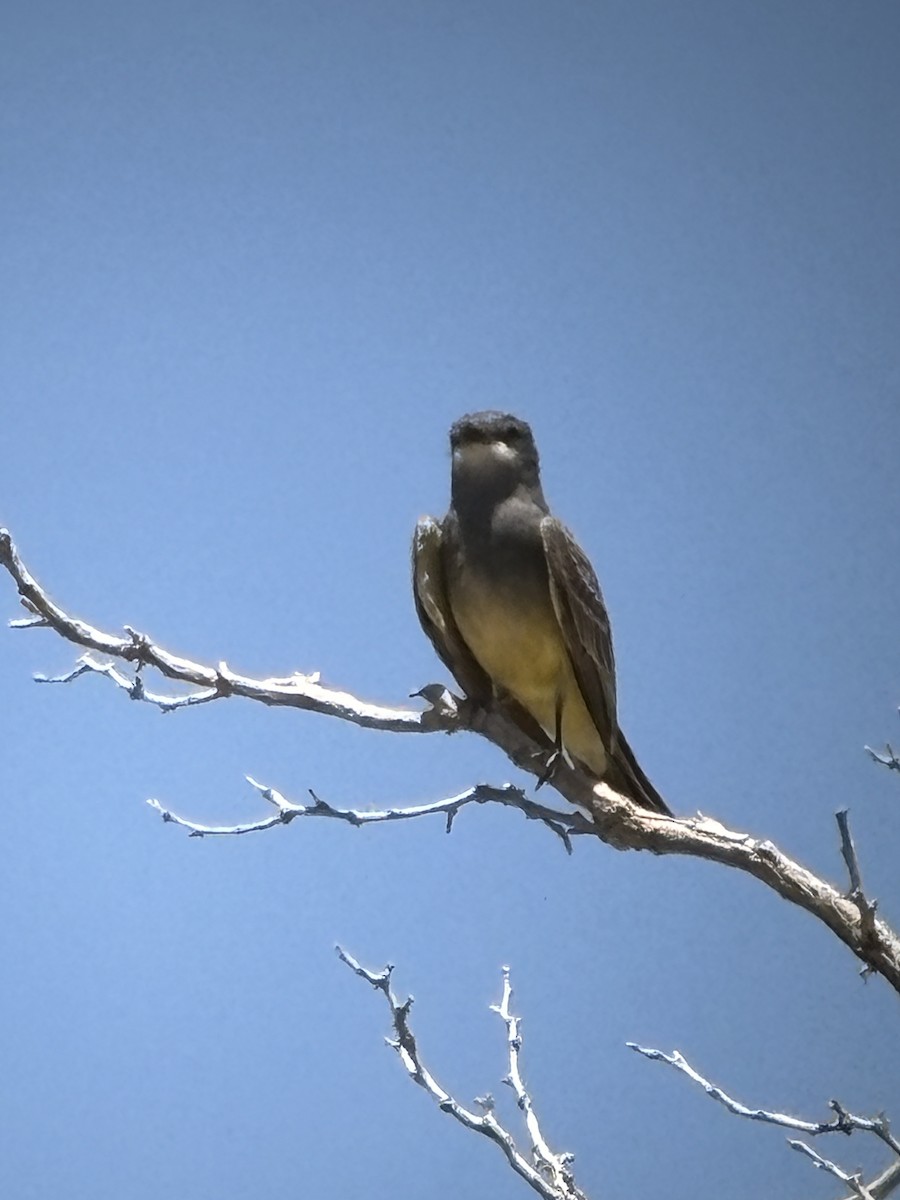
x=513, y=607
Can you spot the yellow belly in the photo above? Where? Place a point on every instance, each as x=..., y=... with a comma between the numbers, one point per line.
x=520, y=647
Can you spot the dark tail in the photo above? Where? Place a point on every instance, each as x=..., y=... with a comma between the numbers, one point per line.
x=624, y=775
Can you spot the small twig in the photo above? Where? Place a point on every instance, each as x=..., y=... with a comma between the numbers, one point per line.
x=564, y=824
x=886, y=1182
x=680, y=1063
x=559, y=1186
x=856, y=894
x=848, y=850
x=555, y=1167
x=889, y=759
x=135, y=686
x=842, y=1122
x=215, y=683
x=854, y=1181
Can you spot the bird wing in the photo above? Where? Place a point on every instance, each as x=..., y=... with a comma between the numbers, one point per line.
x=584, y=621
x=431, y=546
x=433, y=608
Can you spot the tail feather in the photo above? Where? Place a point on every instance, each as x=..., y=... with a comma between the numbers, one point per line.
x=625, y=775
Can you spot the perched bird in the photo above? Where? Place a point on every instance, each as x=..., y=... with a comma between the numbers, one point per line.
x=513, y=607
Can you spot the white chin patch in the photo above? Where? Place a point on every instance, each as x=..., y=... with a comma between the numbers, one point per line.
x=498, y=450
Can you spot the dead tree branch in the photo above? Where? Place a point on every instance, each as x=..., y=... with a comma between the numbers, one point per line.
x=888, y=759
x=843, y=1121
x=856, y=894
x=563, y=824
x=549, y=1174
x=613, y=819
x=213, y=683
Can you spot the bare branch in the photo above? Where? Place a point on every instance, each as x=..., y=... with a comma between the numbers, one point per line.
x=886, y=1182
x=848, y=850
x=134, y=686
x=824, y=1164
x=842, y=1122
x=297, y=691
x=856, y=894
x=548, y=1174
x=555, y=1167
x=677, y=1060
x=564, y=824
x=889, y=759
x=623, y=825
x=614, y=820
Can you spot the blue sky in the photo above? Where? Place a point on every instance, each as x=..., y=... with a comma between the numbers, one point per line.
x=255, y=260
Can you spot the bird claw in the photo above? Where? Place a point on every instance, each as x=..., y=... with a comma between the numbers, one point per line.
x=550, y=766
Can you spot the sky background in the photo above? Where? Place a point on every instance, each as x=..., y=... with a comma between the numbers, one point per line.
x=255, y=259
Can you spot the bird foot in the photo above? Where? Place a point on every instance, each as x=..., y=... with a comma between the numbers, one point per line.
x=551, y=764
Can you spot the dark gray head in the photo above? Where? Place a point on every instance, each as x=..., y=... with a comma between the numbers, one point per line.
x=494, y=455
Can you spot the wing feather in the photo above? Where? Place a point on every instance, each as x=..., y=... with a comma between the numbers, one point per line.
x=433, y=608
x=432, y=544
x=584, y=621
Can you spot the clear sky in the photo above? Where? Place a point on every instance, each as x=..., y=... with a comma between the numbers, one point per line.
x=255, y=258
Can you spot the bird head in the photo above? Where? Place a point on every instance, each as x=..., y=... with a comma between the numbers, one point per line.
x=493, y=452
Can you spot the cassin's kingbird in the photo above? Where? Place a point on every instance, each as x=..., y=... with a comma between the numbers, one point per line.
x=513, y=606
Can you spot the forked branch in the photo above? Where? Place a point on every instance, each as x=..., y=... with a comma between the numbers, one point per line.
x=548, y=1173
x=613, y=819
x=843, y=1121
